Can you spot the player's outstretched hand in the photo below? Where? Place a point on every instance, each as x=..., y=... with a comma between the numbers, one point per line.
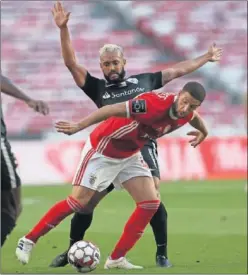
x=39, y=106
x=68, y=128
x=198, y=138
x=215, y=53
x=61, y=17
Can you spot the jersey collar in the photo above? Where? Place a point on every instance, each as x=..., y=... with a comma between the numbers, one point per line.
x=119, y=85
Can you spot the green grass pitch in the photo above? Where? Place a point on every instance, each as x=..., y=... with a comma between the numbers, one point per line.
x=207, y=229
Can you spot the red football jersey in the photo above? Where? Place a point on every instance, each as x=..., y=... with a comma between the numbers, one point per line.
x=149, y=116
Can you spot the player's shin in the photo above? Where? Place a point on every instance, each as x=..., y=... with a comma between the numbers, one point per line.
x=159, y=227
x=53, y=217
x=134, y=227
x=79, y=224
x=82, y=221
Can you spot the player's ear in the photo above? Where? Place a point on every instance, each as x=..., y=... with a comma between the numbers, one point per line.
x=100, y=63
x=124, y=61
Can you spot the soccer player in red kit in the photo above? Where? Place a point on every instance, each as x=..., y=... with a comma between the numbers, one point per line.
x=115, y=86
x=112, y=155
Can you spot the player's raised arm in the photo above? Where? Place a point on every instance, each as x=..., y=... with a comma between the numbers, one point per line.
x=7, y=87
x=69, y=128
x=198, y=123
x=182, y=68
x=61, y=18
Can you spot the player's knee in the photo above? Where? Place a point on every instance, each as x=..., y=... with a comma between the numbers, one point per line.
x=151, y=205
x=82, y=195
x=7, y=225
x=162, y=212
x=75, y=204
x=87, y=209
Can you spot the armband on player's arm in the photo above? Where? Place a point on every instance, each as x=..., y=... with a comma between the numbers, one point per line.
x=136, y=107
x=198, y=123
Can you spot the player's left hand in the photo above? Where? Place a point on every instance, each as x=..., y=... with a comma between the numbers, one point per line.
x=215, y=53
x=198, y=138
x=38, y=106
x=68, y=128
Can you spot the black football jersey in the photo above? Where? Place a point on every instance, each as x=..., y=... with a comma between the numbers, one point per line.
x=3, y=126
x=103, y=93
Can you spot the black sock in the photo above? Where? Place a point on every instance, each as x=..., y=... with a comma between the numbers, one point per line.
x=7, y=225
x=159, y=227
x=79, y=224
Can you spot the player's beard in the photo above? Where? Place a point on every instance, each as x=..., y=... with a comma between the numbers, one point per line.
x=174, y=108
x=119, y=79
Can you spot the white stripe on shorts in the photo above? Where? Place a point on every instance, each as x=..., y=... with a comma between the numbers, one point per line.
x=153, y=156
x=9, y=164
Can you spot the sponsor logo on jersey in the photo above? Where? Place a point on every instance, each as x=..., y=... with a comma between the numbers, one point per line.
x=133, y=80
x=106, y=95
x=128, y=92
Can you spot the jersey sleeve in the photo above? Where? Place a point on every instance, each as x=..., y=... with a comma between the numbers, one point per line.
x=156, y=80
x=147, y=108
x=91, y=87
x=153, y=80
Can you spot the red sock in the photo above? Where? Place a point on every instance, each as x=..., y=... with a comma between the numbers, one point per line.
x=134, y=227
x=53, y=217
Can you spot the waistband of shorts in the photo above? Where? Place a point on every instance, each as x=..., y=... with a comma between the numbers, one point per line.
x=88, y=141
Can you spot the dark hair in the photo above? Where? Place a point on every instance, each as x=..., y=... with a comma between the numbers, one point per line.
x=196, y=90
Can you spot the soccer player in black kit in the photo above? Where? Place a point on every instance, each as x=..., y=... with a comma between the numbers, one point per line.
x=115, y=88
x=10, y=180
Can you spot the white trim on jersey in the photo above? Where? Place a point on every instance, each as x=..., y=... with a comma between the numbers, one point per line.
x=117, y=134
x=102, y=142
x=9, y=164
x=127, y=108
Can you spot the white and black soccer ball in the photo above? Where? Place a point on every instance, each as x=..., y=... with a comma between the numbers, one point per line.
x=84, y=256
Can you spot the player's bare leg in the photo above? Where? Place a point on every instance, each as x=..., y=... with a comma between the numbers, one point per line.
x=144, y=193
x=158, y=223
x=76, y=202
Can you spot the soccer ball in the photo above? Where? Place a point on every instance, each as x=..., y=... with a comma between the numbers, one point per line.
x=84, y=256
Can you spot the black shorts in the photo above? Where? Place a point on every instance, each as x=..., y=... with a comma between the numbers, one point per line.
x=10, y=182
x=150, y=155
x=11, y=202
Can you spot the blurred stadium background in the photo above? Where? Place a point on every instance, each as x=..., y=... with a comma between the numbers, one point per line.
x=154, y=34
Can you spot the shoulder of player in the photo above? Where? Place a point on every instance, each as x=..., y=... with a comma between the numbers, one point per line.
x=158, y=95
x=96, y=78
x=165, y=96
